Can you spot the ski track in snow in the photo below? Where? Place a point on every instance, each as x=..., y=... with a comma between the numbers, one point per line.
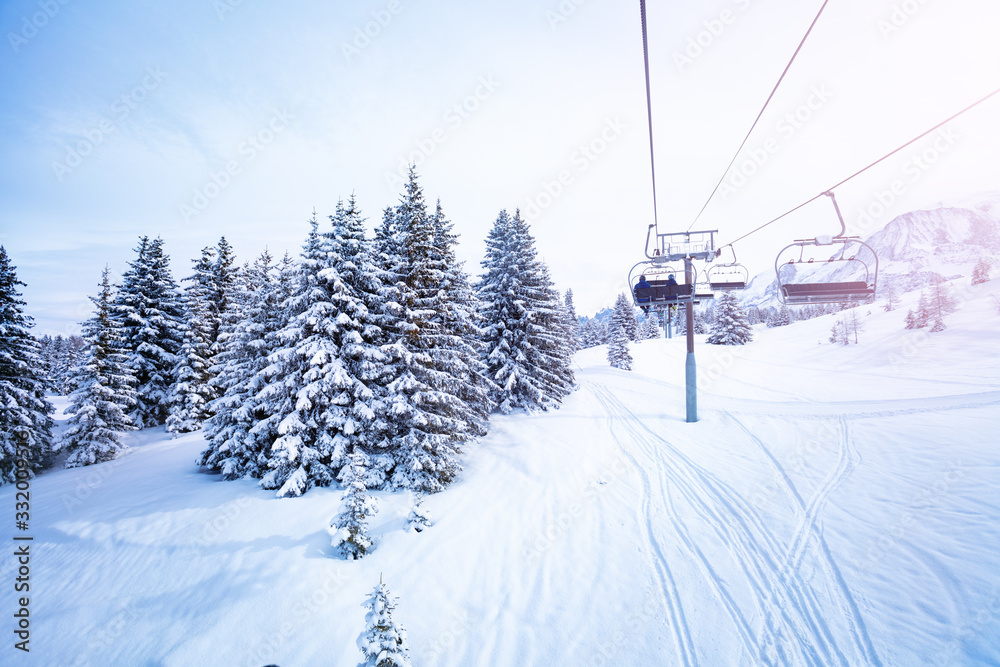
x=669, y=590
x=794, y=629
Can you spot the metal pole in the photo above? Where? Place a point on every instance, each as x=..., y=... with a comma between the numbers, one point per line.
x=690, y=374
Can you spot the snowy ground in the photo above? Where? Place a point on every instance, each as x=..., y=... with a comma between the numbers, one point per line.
x=833, y=506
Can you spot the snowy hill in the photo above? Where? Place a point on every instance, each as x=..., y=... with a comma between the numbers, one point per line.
x=913, y=247
x=834, y=505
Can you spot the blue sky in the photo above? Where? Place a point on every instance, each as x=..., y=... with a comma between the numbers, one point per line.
x=193, y=120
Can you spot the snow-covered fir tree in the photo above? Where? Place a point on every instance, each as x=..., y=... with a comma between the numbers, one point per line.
x=350, y=526
x=208, y=301
x=573, y=322
x=838, y=332
x=438, y=397
x=105, y=389
x=527, y=356
x=419, y=517
x=60, y=357
x=594, y=333
x=731, y=326
x=192, y=391
x=650, y=327
x=243, y=424
x=328, y=360
x=383, y=643
x=981, y=271
x=25, y=412
x=619, y=355
x=701, y=325
x=783, y=317
x=624, y=316
x=148, y=307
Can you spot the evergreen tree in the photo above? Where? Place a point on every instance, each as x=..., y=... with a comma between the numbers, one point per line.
x=25, y=413
x=193, y=392
x=731, y=326
x=912, y=322
x=680, y=321
x=420, y=517
x=650, y=327
x=781, y=318
x=71, y=356
x=624, y=317
x=330, y=355
x=105, y=389
x=437, y=397
x=526, y=351
x=148, y=308
x=981, y=271
x=838, y=332
x=573, y=323
x=221, y=292
x=618, y=352
x=243, y=425
x=350, y=534
x=594, y=333
x=383, y=643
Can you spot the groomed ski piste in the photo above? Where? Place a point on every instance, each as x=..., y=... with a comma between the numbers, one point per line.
x=834, y=505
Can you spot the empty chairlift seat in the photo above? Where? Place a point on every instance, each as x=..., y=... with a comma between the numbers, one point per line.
x=826, y=292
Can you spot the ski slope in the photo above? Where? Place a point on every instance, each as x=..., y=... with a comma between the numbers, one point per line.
x=832, y=506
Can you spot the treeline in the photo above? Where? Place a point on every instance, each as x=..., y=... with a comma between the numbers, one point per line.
x=381, y=352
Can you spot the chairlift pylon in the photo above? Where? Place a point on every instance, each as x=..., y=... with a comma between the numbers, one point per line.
x=848, y=275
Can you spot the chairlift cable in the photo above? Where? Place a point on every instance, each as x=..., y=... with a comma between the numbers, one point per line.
x=864, y=169
x=649, y=107
x=757, y=119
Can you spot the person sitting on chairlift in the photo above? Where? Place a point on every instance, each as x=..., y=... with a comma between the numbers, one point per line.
x=671, y=281
x=642, y=284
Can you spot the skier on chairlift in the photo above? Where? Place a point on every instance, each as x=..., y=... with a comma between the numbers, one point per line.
x=642, y=284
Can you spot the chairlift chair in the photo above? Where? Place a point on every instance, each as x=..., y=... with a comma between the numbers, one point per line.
x=848, y=275
x=659, y=295
x=728, y=276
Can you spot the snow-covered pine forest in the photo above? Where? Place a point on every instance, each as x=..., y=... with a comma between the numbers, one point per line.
x=377, y=350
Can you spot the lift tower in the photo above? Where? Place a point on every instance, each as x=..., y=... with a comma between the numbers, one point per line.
x=686, y=246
